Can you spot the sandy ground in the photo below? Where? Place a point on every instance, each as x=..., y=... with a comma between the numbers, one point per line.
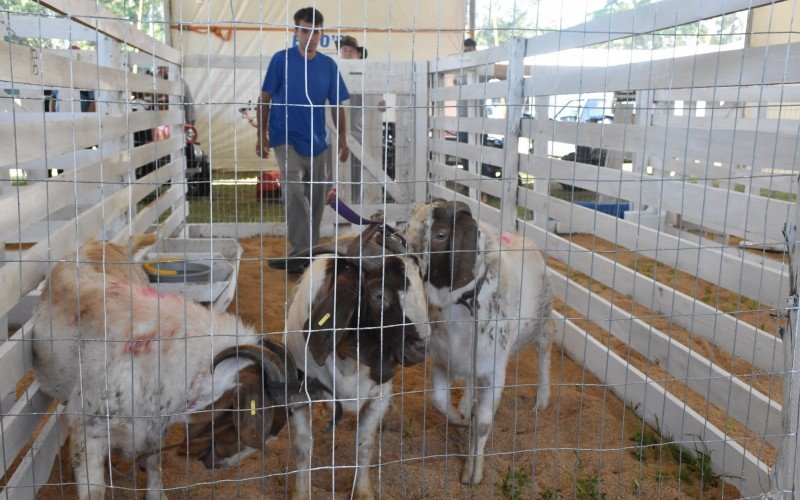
x=580, y=446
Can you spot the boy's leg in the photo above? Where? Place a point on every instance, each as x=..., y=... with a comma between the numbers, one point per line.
x=293, y=184
x=319, y=187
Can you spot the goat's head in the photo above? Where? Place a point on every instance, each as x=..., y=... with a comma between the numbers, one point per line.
x=250, y=413
x=372, y=307
x=445, y=235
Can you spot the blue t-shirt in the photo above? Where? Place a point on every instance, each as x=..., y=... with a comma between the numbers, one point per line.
x=297, y=112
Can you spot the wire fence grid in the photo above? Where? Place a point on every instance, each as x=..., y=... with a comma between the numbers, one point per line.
x=627, y=174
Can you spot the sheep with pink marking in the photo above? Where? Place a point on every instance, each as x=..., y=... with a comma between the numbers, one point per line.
x=130, y=362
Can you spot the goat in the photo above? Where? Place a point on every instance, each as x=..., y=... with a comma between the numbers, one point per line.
x=54, y=364
x=354, y=319
x=493, y=297
x=140, y=361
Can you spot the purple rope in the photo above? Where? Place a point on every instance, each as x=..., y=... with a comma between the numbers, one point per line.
x=352, y=217
x=346, y=212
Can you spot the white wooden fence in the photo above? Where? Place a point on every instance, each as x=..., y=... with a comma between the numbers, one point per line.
x=706, y=150
x=97, y=194
x=706, y=144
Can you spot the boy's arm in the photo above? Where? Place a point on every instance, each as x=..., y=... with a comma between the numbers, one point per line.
x=262, y=120
x=340, y=120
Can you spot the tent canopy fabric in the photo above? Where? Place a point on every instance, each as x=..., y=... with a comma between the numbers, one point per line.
x=235, y=40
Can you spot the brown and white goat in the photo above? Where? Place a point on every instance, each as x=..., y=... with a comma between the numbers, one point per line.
x=354, y=319
x=491, y=297
x=139, y=361
x=97, y=260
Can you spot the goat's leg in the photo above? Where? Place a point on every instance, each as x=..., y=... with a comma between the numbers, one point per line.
x=441, y=397
x=465, y=405
x=88, y=452
x=370, y=418
x=303, y=442
x=543, y=348
x=490, y=388
x=155, y=486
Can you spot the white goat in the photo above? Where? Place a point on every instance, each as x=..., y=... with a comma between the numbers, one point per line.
x=130, y=362
x=491, y=297
x=368, y=316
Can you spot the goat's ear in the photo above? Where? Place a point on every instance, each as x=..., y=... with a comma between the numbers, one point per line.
x=465, y=245
x=334, y=311
x=256, y=414
x=210, y=432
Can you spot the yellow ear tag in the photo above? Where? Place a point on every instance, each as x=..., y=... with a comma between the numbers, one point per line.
x=252, y=407
x=324, y=319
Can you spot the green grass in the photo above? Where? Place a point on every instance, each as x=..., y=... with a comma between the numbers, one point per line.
x=514, y=482
x=694, y=465
x=644, y=440
x=234, y=204
x=408, y=429
x=778, y=195
x=551, y=495
x=588, y=488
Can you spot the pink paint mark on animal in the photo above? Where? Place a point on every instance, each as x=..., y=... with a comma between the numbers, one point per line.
x=512, y=240
x=150, y=292
x=139, y=347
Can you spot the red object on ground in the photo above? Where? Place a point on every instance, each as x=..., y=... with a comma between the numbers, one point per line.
x=269, y=185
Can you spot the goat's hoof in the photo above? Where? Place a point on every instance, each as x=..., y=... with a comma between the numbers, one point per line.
x=542, y=402
x=471, y=478
x=364, y=495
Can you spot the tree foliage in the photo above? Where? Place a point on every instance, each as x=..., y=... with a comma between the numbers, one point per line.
x=716, y=31
x=147, y=15
x=497, y=22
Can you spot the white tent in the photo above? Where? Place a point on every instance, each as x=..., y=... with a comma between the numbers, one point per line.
x=227, y=47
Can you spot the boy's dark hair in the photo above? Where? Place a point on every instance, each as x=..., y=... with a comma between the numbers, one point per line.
x=309, y=15
x=470, y=42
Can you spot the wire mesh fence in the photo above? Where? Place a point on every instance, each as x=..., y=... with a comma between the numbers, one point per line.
x=556, y=266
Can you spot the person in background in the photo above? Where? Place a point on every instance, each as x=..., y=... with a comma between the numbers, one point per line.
x=291, y=120
x=470, y=45
x=349, y=49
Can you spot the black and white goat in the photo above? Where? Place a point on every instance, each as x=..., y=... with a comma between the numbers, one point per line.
x=130, y=362
x=489, y=297
x=354, y=319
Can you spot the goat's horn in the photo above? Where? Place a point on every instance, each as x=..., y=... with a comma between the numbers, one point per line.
x=357, y=245
x=269, y=362
x=292, y=382
x=393, y=245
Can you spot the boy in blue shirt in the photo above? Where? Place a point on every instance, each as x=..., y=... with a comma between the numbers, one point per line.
x=291, y=119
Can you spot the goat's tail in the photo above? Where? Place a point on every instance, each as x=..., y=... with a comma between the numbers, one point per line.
x=544, y=310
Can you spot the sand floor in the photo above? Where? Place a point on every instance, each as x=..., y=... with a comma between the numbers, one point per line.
x=580, y=446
